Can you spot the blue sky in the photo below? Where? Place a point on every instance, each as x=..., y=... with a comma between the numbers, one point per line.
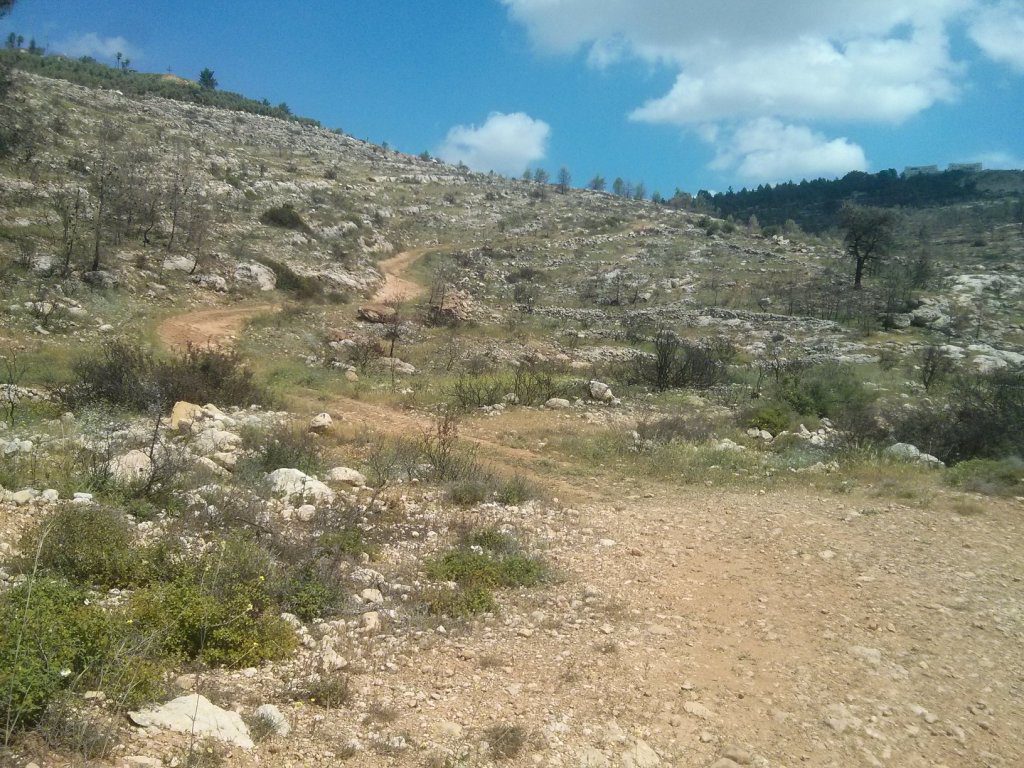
x=668, y=92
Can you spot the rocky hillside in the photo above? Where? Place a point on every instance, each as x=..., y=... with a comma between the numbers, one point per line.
x=315, y=453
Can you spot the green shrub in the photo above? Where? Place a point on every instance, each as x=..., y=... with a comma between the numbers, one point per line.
x=311, y=592
x=287, y=446
x=220, y=610
x=302, y=286
x=771, y=417
x=461, y=602
x=979, y=418
x=127, y=375
x=516, y=490
x=829, y=389
x=1003, y=477
x=468, y=492
x=91, y=545
x=207, y=375
x=466, y=566
x=286, y=217
x=50, y=635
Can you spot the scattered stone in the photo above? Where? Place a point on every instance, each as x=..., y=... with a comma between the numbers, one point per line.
x=558, y=404
x=130, y=467
x=600, y=391
x=346, y=476
x=274, y=717
x=321, y=423
x=640, y=755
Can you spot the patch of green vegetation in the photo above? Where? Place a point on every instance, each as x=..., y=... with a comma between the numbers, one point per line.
x=287, y=446
x=995, y=477
x=220, y=610
x=92, y=74
x=91, y=545
x=54, y=638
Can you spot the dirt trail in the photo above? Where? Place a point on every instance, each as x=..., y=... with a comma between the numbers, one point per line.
x=792, y=627
x=215, y=327
x=396, y=287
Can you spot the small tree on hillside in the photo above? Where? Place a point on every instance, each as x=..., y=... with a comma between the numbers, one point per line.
x=869, y=234
x=597, y=183
x=541, y=176
x=564, y=180
x=207, y=81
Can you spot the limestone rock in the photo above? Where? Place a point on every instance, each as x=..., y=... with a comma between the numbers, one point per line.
x=196, y=714
x=600, y=391
x=375, y=313
x=294, y=484
x=346, y=476
x=640, y=755
x=275, y=718
x=254, y=273
x=130, y=467
x=321, y=423
x=184, y=414
x=558, y=404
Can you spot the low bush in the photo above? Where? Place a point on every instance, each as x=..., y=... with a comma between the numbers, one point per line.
x=285, y=217
x=772, y=417
x=527, y=384
x=461, y=602
x=208, y=375
x=127, y=375
x=1002, y=477
x=312, y=591
x=690, y=428
x=91, y=545
x=50, y=634
x=677, y=363
x=286, y=446
x=54, y=639
x=220, y=610
x=506, y=741
x=980, y=418
x=304, y=287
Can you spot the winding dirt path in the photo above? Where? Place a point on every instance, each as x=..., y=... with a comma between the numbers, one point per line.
x=396, y=287
x=214, y=327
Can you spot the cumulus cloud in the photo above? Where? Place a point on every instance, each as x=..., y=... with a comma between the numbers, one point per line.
x=102, y=48
x=506, y=143
x=766, y=149
x=801, y=61
x=999, y=31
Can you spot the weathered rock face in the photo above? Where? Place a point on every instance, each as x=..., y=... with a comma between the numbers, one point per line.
x=130, y=467
x=196, y=714
x=376, y=313
x=909, y=452
x=346, y=476
x=295, y=485
x=558, y=404
x=254, y=273
x=321, y=423
x=184, y=414
x=600, y=391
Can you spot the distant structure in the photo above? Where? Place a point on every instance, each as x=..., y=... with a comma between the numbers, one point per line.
x=920, y=170
x=968, y=167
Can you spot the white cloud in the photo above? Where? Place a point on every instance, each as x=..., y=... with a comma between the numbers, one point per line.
x=999, y=160
x=104, y=49
x=879, y=60
x=739, y=62
x=506, y=143
x=766, y=149
x=999, y=31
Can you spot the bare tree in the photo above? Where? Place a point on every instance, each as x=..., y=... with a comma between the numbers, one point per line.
x=70, y=208
x=13, y=371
